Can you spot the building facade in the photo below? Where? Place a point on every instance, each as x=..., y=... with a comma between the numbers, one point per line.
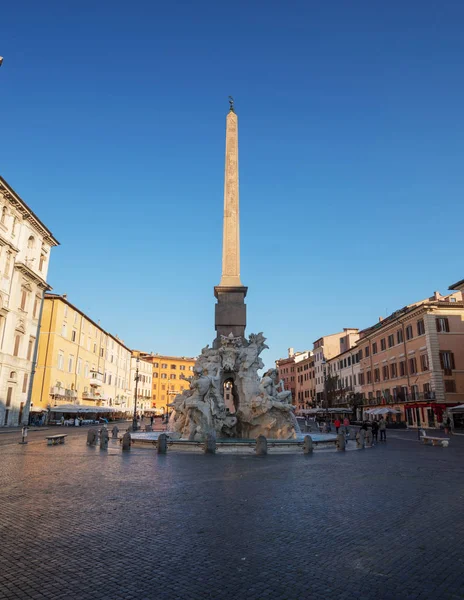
x=286, y=370
x=325, y=348
x=78, y=361
x=343, y=386
x=25, y=245
x=305, y=383
x=168, y=378
x=413, y=360
x=142, y=372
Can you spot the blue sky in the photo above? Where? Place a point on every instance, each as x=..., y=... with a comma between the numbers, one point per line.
x=351, y=158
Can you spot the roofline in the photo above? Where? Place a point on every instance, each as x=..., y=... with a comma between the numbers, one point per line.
x=165, y=356
x=454, y=286
x=345, y=329
x=51, y=238
x=49, y=296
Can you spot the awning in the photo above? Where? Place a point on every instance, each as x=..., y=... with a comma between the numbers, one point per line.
x=382, y=411
x=459, y=408
x=82, y=408
x=319, y=411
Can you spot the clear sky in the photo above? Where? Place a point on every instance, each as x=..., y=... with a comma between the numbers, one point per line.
x=351, y=157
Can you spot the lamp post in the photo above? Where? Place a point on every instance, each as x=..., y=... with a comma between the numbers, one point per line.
x=134, y=419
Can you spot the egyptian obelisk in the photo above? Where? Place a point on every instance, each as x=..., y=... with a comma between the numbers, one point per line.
x=230, y=293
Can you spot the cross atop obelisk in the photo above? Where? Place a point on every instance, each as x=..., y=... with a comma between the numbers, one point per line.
x=231, y=233
x=231, y=308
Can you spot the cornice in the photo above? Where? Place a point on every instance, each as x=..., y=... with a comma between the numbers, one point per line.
x=6, y=242
x=29, y=274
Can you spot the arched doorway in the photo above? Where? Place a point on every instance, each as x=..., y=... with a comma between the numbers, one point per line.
x=230, y=395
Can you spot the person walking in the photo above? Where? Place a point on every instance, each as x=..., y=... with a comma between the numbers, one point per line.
x=151, y=420
x=337, y=424
x=383, y=430
x=375, y=431
x=346, y=424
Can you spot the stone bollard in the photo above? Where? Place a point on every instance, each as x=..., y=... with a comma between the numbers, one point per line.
x=369, y=437
x=307, y=444
x=148, y=428
x=104, y=438
x=114, y=432
x=360, y=437
x=162, y=445
x=341, y=442
x=126, y=442
x=210, y=443
x=261, y=446
x=91, y=437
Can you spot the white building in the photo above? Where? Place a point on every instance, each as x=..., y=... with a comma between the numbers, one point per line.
x=344, y=373
x=25, y=245
x=144, y=385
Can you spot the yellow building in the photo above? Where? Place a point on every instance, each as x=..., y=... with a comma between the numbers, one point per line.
x=78, y=362
x=167, y=378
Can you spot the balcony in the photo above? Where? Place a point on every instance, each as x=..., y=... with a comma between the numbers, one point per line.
x=61, y=392
x=96, y=379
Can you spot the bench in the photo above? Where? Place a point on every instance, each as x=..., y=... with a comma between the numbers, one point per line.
x=436, y=441
x=52, y=440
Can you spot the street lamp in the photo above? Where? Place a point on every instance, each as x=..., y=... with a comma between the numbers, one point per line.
x=1, y=61
x=134, y=419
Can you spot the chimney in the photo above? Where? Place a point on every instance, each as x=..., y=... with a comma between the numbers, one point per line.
x=65, y=296
x=380, y=319
x=291, y=352
x=436, y=295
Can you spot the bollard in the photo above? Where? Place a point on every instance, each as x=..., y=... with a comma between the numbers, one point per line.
x=23, y=435
x=114, y=432
x=307, y=444
x=148, y=428
x=210, y=443
x=91, y=437
x=104, y=438
x=261, y=446
x=360, y=437
x=162, y=445
x=126, y=442
x=369, y=438
x=341, y=442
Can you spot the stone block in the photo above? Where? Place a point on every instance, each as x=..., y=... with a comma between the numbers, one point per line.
x=261, y=446
x=162, y=445
x=104, y=438
x=126, y=442
x=91, y=437
x=210, y=443
x=341, y=442
x=307, y=444
x=114, y=432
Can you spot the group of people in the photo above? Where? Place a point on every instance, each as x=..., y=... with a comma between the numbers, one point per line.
x=377, y=426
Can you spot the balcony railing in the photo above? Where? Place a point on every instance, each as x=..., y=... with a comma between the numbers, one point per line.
x=62, y=392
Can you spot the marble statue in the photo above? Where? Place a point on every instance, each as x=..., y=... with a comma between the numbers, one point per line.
x=262, y=406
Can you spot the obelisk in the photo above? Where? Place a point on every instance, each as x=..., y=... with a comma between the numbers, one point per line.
x=230, y=293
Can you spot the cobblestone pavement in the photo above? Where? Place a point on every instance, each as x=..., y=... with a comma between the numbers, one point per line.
x=385, y=523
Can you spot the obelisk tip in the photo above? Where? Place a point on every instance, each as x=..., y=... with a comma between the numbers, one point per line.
x=231, y=103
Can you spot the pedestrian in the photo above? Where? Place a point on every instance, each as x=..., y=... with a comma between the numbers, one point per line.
x=337, y=424
x=346, y=424
x=375, y=431
x=62, y=420
x=383, y=430
x=364, y=425
x=448, y=426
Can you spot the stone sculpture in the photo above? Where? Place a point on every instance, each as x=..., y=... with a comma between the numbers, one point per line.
x=369, y=438
x=341, y=442
x=307, y=444
x=261, y=446
x=261, y=408
x=162, y=445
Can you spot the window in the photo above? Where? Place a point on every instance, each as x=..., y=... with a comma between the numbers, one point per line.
x=399, y=336
x=102, y=351
x=65, y=311
x=16, y=345
x=30, y=242
x=383, y=345
x=95, y=347
x=36, y=307
x=450, y=386
x=30, y=348
x=109, y=378
x=6, y=272
x=155, y=375
x=424, y=359
x=24, y=383
x=23, y=299
x=163, y=387
x=360, y=354
x=361, y=379
x=70, y=363
x=155, y=365
x=164, y=376
x=41, y=262
x=391, y=340
x=447, y=361
x=164, y=366
x=367, y=351
x=60, y=361
x=409, y=334
x=8, y=396
x=86, y=370
x=79, y=366
x=3, y=218
x=64, y=330
x=376, y=375
x=73, y=335
x=349, y=361
x=173, y=366
x=385, y=372
x=172, y=376
x=420, y=327
x=182, y=367
x=442, y=324
x=393, y=371
x=374, y=348
x=402, y=368
x=412, y=365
